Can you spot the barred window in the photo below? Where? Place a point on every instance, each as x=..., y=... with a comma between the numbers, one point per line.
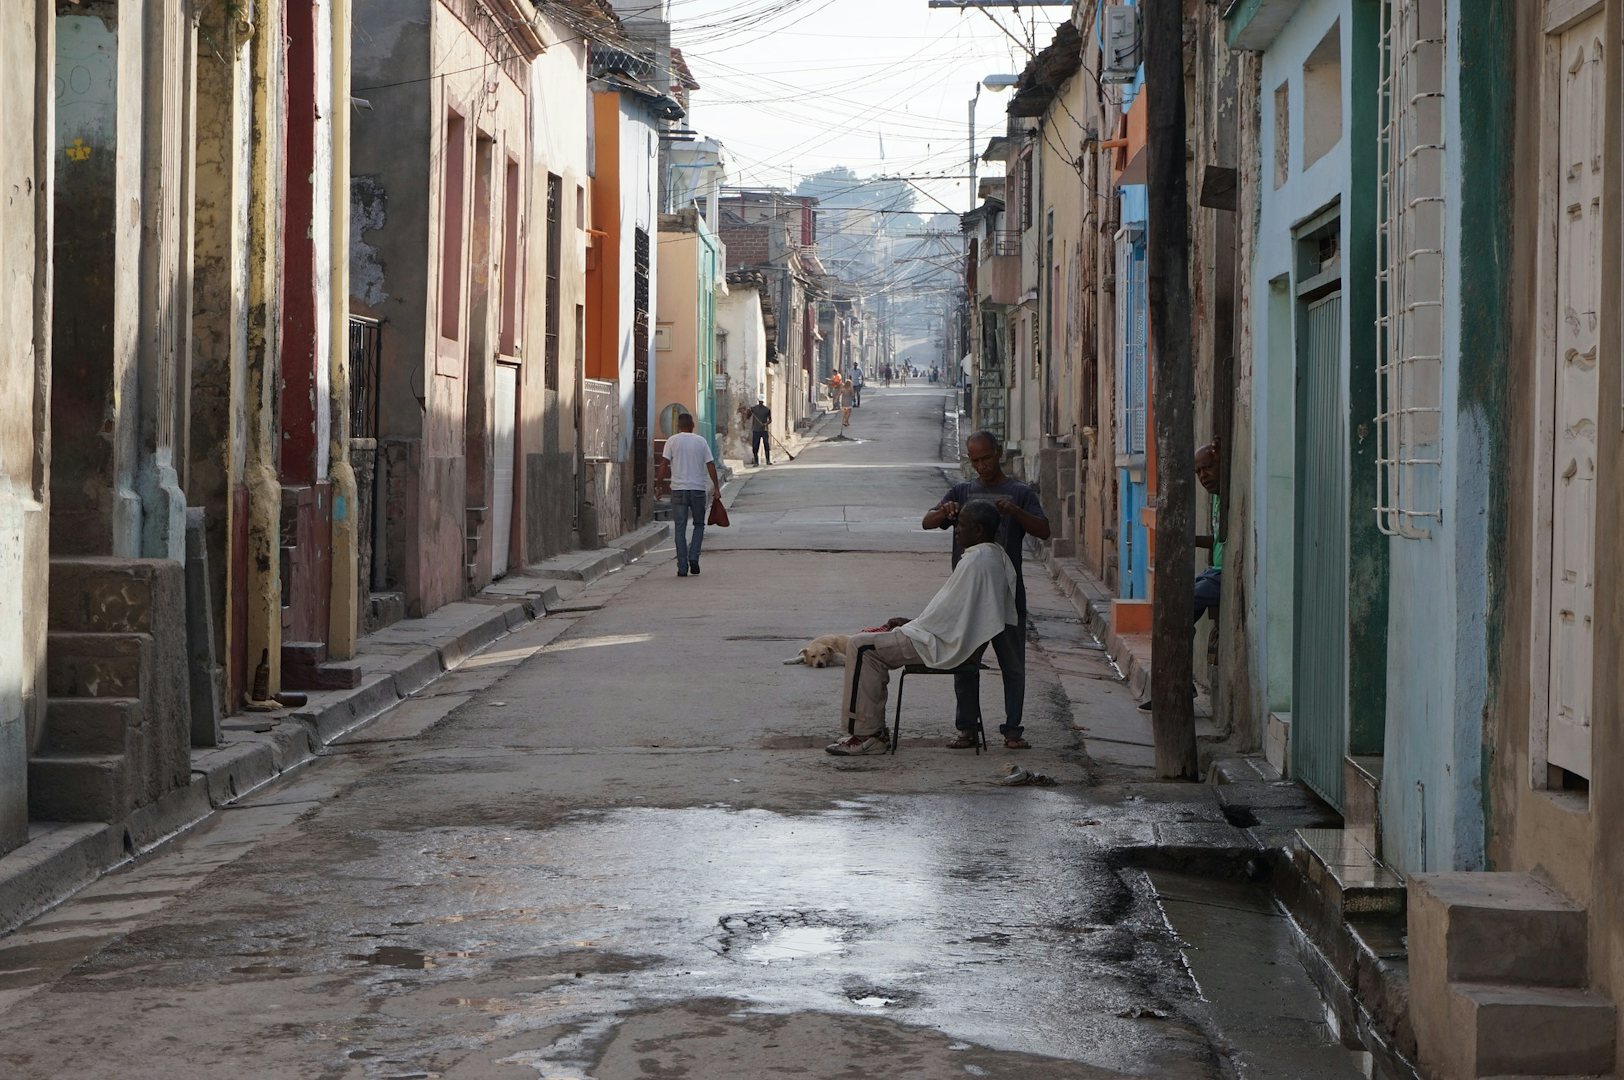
x=1410, y=300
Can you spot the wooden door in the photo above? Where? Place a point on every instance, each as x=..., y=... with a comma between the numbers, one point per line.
x=1581, y=105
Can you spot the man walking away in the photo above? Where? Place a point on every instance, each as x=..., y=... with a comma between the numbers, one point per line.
x=1022, y=514
x=688, y=457
x=761, y=443
x=976, y=604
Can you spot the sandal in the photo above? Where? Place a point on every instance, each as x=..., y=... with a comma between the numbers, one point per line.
x=1016, y=743
x=964, y=740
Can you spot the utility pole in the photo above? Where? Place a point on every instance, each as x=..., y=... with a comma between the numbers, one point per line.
x=1168, y=267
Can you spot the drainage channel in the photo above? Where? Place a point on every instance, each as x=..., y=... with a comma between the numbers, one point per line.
x=1241, y=952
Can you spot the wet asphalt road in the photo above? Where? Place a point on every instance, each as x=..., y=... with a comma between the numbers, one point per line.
x=625, y=854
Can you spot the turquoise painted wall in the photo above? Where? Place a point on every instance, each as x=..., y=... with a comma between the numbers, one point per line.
x=1443, y=620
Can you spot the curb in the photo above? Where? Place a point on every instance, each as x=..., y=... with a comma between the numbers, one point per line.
x=60, y=858
x=1093, y=605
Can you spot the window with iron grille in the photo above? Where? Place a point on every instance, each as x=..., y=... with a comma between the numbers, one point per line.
x=1410, y=294
x=555, y=255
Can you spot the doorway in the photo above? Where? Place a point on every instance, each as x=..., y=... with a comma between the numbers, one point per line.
x=1320, y=530
x=503, y=449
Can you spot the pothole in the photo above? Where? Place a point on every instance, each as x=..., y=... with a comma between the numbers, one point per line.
x=764, y=937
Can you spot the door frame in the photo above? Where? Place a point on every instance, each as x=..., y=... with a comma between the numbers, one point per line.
x=1558, y=18
x=1312, y=282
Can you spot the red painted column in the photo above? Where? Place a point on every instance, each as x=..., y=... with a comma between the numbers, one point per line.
x=299, y=311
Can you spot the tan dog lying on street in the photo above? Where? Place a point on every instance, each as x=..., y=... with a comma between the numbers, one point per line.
x=826, y=651
x=829, y=650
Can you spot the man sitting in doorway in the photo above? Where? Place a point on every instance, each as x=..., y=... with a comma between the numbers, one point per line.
x=1208, y=583
x=975, y=605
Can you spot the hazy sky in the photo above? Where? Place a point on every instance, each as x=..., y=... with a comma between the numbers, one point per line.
x=881, y=86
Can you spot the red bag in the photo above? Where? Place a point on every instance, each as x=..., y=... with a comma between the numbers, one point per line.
x=718, y=513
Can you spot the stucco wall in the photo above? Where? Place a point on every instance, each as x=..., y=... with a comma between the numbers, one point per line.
x=558, y=118
x=738, y=314
x=677, y=308
x=25, y=127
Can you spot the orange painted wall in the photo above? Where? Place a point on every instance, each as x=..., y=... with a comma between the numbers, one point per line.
x=603, y=256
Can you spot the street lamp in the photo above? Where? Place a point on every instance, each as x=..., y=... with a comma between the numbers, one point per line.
x=995, y=83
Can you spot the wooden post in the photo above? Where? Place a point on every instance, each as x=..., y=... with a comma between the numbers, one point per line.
x=1173, y=385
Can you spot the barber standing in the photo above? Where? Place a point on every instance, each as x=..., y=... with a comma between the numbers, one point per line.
x=1022, y=515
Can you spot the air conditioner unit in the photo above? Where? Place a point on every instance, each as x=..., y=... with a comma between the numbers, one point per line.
x=1122, y=45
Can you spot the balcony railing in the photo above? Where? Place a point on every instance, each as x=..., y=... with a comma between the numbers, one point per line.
x=1003, y=242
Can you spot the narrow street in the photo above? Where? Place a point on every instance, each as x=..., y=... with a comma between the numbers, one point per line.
x=624, y=854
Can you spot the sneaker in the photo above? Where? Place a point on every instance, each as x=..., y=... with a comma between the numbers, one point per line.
x=693, y=568
x=681, y=572
x=857, y=746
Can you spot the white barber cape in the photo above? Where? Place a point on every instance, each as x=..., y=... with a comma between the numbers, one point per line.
x=971, y=609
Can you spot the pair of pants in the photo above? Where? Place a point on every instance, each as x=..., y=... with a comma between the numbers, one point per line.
x=1208, y=587
x=857, y=396
x=892, y=649
x=685, y=504
x=761, y=441
x=1010, y=648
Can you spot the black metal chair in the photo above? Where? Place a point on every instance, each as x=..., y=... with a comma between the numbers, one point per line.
x=972, y=664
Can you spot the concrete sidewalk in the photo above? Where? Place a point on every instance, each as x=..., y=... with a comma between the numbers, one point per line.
x=398, y=664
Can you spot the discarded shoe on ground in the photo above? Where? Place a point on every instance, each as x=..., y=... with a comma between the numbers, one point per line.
x=1018, y=776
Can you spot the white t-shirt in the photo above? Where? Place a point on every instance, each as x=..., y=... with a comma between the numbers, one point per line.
x=688, y=454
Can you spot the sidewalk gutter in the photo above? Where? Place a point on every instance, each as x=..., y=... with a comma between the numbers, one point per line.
x=60, y=858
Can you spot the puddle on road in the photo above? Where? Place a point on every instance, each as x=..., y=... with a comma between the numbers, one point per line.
x=396, y=956
x=794, y=943
x=873, y=907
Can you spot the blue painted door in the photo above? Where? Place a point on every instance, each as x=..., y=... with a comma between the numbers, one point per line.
x=1133, y=576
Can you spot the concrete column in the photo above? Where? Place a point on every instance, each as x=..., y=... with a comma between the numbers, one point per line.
x=219, y=327
x=164, y=299
x=344, y=607
x=262, y=594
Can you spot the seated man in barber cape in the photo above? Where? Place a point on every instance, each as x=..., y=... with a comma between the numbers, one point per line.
x=971, y=609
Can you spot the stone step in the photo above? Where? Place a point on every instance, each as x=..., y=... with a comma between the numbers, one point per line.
x=1536, y=1030
x=96, y=664
x=304, y=653
x=78, y=787
x=1498, y=928
x=90, y=725
x=107, y=595
x=331, y=675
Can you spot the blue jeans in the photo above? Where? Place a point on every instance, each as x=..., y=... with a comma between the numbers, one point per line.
x=1010, y=648
x=1208, y=585
x=684, y=504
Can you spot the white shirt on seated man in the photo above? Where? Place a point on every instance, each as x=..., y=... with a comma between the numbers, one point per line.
x=969, y=610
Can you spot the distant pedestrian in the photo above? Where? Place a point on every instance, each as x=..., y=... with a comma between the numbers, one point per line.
x=846, y=395
x=761, y=440
x=857, y=383
x=688, y=458
x=886, y=374
x=1022, y=515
